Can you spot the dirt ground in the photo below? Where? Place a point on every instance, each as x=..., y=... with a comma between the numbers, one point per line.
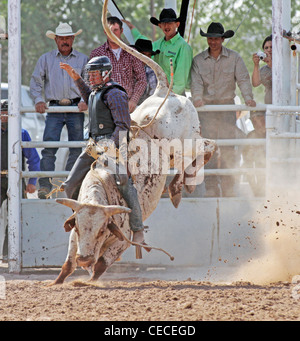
x=122, y=297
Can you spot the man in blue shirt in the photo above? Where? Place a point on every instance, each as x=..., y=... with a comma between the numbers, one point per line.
x=50, y=84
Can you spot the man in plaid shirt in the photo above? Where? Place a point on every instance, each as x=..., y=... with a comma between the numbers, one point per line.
x=127, y=70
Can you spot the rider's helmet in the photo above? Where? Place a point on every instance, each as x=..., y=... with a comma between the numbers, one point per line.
x=101, y=64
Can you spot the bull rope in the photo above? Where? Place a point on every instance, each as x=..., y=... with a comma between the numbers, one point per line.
x=145, y=246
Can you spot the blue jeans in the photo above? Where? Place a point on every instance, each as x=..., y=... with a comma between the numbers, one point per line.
x=53, y=127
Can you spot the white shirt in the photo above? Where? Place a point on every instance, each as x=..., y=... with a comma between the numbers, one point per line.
x=117, y=52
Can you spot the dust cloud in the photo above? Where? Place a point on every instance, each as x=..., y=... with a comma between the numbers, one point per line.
x=280, y=261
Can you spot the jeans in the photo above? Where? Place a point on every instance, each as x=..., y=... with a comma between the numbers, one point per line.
x=54, y=125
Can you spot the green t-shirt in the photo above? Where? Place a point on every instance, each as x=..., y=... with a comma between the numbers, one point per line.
x=180, y=52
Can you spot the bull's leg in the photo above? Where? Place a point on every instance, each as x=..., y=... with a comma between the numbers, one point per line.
x=189, y=184
x=190, y=174
x=70, y=264
x=99, y=268
x=108, y=258
x=175, y=189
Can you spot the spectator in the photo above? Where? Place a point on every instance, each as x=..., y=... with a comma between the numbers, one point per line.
x=144, y=46
x=58, y=90
x=127, y=70
x=214, y=75
x=33, y=161
x=109, y=116
x=263, y=75
x=172, y=45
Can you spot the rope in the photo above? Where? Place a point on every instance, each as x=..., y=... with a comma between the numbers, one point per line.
x=249, y=11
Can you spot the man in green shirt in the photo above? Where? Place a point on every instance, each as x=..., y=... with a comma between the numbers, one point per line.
x=172, y=45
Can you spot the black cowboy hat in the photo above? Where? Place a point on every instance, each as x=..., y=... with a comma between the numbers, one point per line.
x=216, y=30
x=144, y=45
x=166, y=15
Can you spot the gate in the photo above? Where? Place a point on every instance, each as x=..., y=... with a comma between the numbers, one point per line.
x=219, y=232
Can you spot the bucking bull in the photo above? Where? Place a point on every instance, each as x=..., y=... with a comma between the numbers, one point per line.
x=102, y=232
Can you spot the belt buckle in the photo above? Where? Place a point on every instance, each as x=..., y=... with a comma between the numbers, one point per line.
x=65, y=101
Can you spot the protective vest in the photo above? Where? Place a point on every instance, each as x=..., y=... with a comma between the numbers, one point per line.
x=101, y=120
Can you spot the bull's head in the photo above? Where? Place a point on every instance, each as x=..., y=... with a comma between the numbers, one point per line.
x=92, y=228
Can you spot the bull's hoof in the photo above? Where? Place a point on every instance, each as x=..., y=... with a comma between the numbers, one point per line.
x=176, y=199
x=54, y=283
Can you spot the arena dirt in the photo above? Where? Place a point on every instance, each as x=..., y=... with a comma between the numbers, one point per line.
x=29, y=297
x=266, y=288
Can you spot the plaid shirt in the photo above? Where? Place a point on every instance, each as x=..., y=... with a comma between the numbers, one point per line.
x=116, y=100
x=128, y=71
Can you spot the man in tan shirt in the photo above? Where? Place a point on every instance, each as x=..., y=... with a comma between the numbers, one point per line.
x=214, y=75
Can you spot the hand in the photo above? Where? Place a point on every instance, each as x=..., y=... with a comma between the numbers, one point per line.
x=255, y=59
x=71, y=72
x=251, y=103
x=30, y=188
x=198, y=103
x=128, y=23
x=41, y=107
x=132, y=106
x=82, y=106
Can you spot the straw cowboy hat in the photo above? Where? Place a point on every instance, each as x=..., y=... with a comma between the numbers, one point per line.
x=166, y=15
x=145, y=45
x=216, y=30
x=62, y=30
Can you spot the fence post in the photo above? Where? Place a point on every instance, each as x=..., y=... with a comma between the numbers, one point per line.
x=14, y=136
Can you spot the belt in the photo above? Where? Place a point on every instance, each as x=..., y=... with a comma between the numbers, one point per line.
x=100, y=137
x=65, y=101
x=219, y=102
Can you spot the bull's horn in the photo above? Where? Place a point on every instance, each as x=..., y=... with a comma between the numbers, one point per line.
x=115, y=209
x=75, y=205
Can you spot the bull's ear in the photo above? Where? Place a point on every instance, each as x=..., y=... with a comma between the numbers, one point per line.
x=115, y=209
x=70, y=223
x=113, y=228
x=75, y=205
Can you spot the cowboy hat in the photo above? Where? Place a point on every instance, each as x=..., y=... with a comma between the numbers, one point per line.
x=216, y=30
x=62, y=30
x=144, y=45
x=166, y=15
